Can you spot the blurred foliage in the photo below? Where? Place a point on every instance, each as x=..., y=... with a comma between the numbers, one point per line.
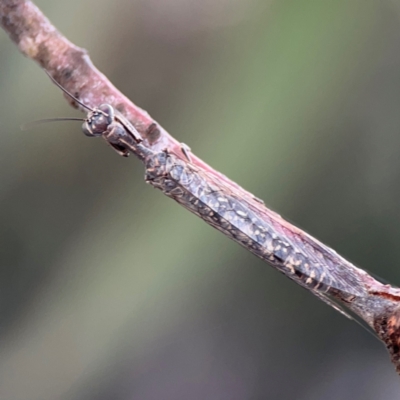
x=111, y=291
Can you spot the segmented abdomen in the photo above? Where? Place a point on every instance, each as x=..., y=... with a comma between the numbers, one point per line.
x=251, y=224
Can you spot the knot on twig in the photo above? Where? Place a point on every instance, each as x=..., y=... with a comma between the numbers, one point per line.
x=387, y=326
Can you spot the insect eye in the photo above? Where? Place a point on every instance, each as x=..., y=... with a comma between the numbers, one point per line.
x=107, y=110
x=98, y=121
x=86, y=129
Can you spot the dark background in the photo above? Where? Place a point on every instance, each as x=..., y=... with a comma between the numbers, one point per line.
x=109, y=290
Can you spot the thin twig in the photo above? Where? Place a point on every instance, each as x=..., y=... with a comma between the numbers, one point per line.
x=171, y=167
x=71, y=66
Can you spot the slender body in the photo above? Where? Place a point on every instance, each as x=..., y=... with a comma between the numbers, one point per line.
x=245, y=219
x=251, y=224
x=237, y=214
x=242, y=218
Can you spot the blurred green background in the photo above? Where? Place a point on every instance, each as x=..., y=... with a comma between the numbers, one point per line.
x=109, y=290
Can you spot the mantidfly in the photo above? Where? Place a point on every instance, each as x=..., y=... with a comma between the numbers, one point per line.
x=246, y=220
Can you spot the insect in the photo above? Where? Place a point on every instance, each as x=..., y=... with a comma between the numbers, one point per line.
x=245, y=219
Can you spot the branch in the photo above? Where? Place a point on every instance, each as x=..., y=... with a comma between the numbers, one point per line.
x=72, y=68
x=207, y=193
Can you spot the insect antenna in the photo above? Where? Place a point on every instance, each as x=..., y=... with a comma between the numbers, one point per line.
x=28, y=125
x=68, y=93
